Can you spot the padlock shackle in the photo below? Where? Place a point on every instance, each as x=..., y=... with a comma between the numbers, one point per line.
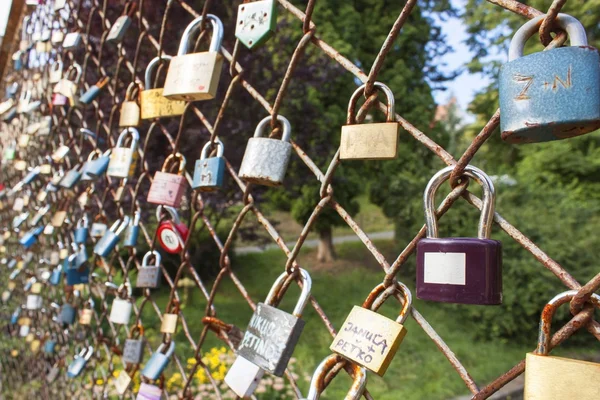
x=391, y=102
x=170, y=350
x=287, y=127
x=194, y=27
x=93, y=153
x=304, y=295
x=135, y=137
x=84, y=221
x=172, y=158
x=170, y=210
x=147, y=256
x=151, y=65
x=381, y=293
x=136, y=218
x=545, y=333
x=207, y=147
x=136, y=328
x=487, y=210
x=56, y=65
x=130, y=90
x=90, y=352
x=576, y=32
x=317, y=382
x=77, y=68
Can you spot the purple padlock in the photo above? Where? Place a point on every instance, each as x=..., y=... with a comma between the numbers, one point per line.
x=460, y=270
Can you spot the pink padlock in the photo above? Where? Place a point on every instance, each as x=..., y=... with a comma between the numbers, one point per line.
x=59, y=99
x=168, y=188
x=149, y=392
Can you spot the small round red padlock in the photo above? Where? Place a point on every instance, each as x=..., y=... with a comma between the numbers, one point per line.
x=171, y=233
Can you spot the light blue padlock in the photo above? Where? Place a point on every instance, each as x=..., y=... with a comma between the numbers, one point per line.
x=107, y=243
x=79, y=362
x=14, y=318
x=67, y=314
x=49, y=346
x=31, y=237
x=158, y=362
x=209, y=171
x=81, y=258
x=31, y=175
x=75, y=276
x=56, y=275
x=93, y=91
x=550, y=95
x=96, y=165
x=71, y=177
x=133, y=231
x=82, y=230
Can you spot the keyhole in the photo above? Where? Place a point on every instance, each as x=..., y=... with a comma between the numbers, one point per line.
x=252, y=26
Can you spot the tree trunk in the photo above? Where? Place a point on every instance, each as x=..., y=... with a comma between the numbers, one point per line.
x=325, y=250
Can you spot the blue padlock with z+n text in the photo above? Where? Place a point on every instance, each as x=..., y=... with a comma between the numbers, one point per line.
x=107, y=243
x=550, y=95
x=158, y=362
x=209, y=171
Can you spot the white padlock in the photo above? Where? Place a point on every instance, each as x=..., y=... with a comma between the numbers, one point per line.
x=243, y=377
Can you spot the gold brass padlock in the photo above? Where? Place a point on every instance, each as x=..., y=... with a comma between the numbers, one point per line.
x=195, y=76
x=557, y=378
x=152, y=102
x=130, y=109
x=169, y=321
x=370, y=339
x=370, y=141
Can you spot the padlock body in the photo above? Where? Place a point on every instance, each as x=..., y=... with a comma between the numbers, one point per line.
x=256, y=22
x=49, y=346
x=149, y=392
x=148, y=277
x=155, y=105
x=55, y=277
x=122, y=382
x=550, y=95
x=243, y=377
x=78, y=276
x=265, y=161
x=155, y=366
x=369, y=339
x=208, y=174
x=131, y=236
x=369, y=141
x=167, y=189
x=28, y=240
x=122, y=162
x=76, y=367
x=90, y=95
x=81, y=235
x=133, y=351
x=460, y=270
x=95, y=168
x=98, y=229
x=72, y=40
x=70, y=179
x=169, y=234
x=59, y=99
x=34, y=302
x=270, y=338
x=120, y=311
x=118, y=30
x=106, y=244
x=67, y=314
x=193, y=76
x=85, y=318
x=130, y=114
x=558, y=378
x=169, y=323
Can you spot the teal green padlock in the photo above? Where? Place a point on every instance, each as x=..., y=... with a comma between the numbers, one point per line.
x=256, y=22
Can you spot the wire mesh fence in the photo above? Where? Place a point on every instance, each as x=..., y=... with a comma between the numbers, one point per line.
x=111, y=198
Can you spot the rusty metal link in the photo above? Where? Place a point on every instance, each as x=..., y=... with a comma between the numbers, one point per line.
x=546, y=26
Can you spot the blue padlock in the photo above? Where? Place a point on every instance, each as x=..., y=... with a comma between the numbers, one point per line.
x=79, y=362
x=81, y=258
x=30, y=237
x=67, y=314
x=14, y=318
x=82, y=230
x=56, y=275
x=157, y=363
x=75, y=276
x=17, y=60
x=550, y=95
x=209, y=171
x=49, y=346
x=71, y=177
x=93, y=91
x=107, y=243
x=31, y=175
x=96, y=165
x=133, y=231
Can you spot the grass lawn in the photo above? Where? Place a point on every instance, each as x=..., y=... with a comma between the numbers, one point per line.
x=419, y=370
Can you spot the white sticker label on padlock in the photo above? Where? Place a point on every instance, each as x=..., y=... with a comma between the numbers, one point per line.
x=169, y=239
x=122, y=382
x=445, y=268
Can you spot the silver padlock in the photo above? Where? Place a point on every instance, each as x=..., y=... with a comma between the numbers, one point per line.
x=243, y=377
x=272, y=334
x=149, y=274
x=121, y=308
x=265, y=160
x=34, y=302
x=158, y=362
x=133, y=349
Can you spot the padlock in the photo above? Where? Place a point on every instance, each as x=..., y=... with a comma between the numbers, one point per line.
x=550, y=95
x=370, y=339
x=24, y=101
x=576, y=380
x=119, y=28
x=107, y=243
x=71, y=177
x=370, y=141
x=72, y=41
x=133, y=349
x=96, y=165
x=24, y=330
x=32, y=128
x=209, y=171
x=31, y=237
x=58, y=219
x=79, y=362
x=34, y=302
x=6, y=105
x=85, y=317
x=168, y=188
x=460, y=270
x=149, y=274
x=82, y=229
x=196, y=76
x=317, y=383
x=52, y=374
x=58, y=36
x=67, y=314
x=56, y=275
x=10, y=115
x=256, y=22
x=171, y=233
x=122, y=382
x=99, y=226
x=31, y=175
x=169, y=320
x=94, y=90
x=120, y=311
x=49, y=346
x=24, y=140
x=77, y=275
x=68, y=85
x=149, y=392
x=39, y=215
x=14, y=318
x=59, y=99
x=159, y=360
x=265, y=160
x=59, y=5
x=130, y=109
x=272, y=334
x=133, y=230
x=153, y=103
x=45, y=127
x=56, y=71
x=123, y=159
x=243, y=377
x=17, y=58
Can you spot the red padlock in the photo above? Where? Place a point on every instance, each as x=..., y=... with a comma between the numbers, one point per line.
x=171, y=232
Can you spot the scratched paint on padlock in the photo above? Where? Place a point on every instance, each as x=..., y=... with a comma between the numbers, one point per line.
x=369, y=338
x=270, y=338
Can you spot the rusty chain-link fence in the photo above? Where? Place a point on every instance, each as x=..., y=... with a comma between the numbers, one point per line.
x=90, y=17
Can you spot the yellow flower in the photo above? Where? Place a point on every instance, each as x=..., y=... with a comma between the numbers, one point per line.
x=116, y=374
x=99, y=382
